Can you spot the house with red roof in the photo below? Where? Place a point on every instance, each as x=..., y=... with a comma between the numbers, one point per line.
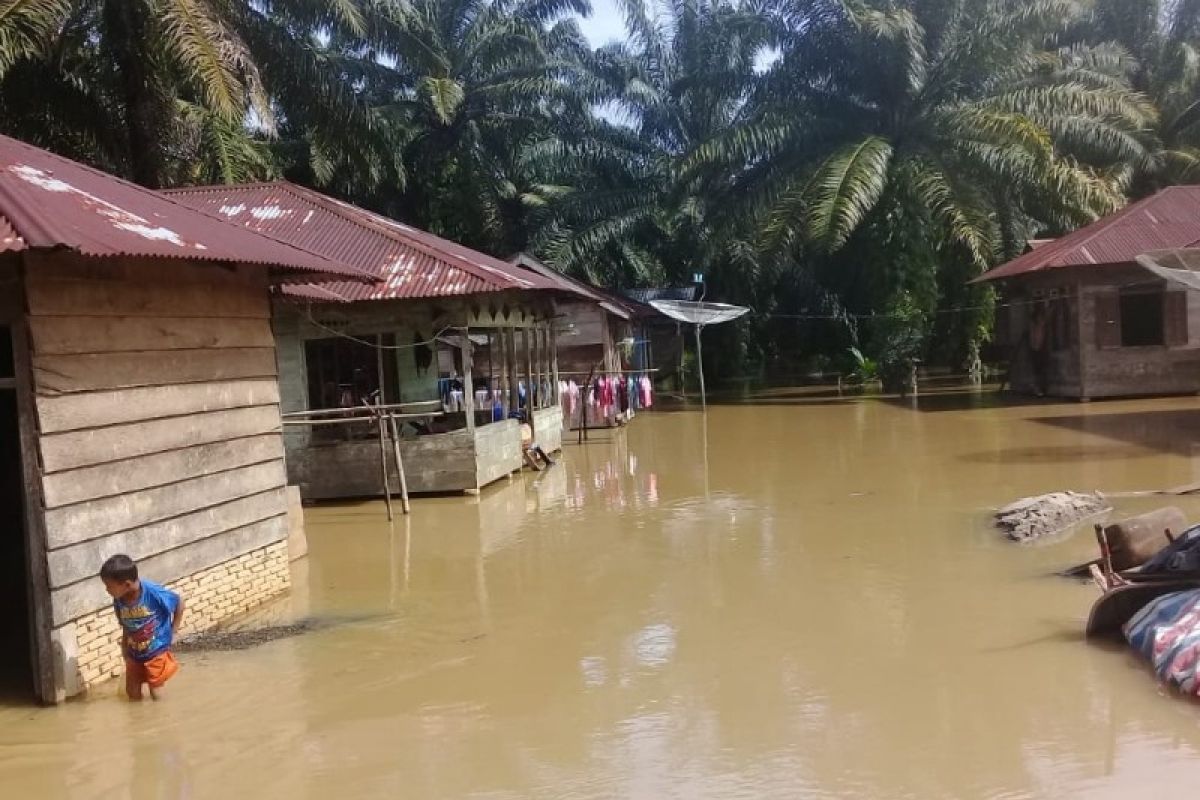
x=139, y=412
x=1082, y=319
x=457, y=343
x=602, y=337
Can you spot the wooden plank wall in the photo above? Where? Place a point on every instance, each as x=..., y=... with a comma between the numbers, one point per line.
x=158, y=417
x=444, y=462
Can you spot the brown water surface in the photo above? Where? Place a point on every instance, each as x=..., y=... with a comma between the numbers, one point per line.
x=813, y=605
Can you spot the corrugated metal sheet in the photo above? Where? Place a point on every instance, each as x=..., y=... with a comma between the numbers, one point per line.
x=668, y=293
x=410, y=263
x=617, y=306
x=47, y=201
x=1166, y=220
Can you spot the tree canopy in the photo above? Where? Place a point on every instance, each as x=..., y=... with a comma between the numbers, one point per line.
x=813, y=158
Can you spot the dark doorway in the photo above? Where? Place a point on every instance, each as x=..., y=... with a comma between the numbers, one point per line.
x=16, y=665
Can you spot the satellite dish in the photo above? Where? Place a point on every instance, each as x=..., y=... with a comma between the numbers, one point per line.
x=699, y=314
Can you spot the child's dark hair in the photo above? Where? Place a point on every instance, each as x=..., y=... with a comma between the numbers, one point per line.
x=119, y=568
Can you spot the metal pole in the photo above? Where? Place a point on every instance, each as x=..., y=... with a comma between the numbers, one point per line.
x=700, y=369
x=399, y=463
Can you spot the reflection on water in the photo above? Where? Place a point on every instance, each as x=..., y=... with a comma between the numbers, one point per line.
x=788, y=600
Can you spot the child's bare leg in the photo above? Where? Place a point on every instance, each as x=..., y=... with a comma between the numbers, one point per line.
x=156, y=692
x=133, y=681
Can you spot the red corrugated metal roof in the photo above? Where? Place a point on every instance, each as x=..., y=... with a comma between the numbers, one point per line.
x=610, y=303
x=410, y=262
x=1168, y=219
x=47, y=201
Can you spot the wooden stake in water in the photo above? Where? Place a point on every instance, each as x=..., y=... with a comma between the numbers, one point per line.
x=387, y=490
x=399, y=463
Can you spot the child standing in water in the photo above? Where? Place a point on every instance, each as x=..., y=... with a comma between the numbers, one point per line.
x=149, y=615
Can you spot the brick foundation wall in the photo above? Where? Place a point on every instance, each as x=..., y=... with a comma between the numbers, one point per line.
x=212, y=596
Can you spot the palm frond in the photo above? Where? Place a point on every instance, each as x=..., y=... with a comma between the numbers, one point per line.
x=26, y=26
x=845, y=188
x=443, y=95
x=209, y=53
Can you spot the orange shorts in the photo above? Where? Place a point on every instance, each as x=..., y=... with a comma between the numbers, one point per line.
x=156, y=671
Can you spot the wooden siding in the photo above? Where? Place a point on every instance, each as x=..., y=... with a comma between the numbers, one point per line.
x=158, y=416
x=331, y=470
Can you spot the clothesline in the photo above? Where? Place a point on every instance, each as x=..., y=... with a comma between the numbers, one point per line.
x=602, y=373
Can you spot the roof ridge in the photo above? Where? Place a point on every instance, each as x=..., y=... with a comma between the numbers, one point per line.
x=39, y=154
x=382, y=226
x=1080, y=238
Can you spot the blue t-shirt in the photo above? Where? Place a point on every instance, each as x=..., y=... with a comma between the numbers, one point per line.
x=147, y=621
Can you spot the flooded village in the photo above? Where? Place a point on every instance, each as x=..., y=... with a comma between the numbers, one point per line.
x=671, y=609
x=433, y=400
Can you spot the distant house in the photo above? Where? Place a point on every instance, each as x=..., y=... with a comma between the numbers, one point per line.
x=139, y=411
x=447, y=329
x=600, y=335
x=1082, y=320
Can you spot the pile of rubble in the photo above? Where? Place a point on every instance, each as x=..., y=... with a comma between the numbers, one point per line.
x=1047, y=514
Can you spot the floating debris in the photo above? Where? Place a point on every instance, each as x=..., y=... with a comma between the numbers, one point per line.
x=1035, y=517
x=243, y=638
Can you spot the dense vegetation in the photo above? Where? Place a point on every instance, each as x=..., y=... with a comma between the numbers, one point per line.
x=843, y=166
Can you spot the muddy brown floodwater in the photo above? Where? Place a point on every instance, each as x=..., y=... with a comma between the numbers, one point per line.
x=813, y=607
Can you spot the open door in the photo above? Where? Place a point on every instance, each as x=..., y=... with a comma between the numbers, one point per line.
x=16, y=634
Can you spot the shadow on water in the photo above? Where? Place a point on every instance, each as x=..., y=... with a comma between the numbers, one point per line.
x=1066, y=454
x=1173, y=431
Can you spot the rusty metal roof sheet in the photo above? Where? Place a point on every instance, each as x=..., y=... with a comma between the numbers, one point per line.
x=410, y=263
x=47, y=201
x=1168, y=219
x=613, y=304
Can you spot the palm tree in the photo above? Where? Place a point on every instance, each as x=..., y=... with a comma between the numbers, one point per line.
x=956, y=107
x=187, y=83
x=467, y=91
x=1163, y=62
x=684, y=76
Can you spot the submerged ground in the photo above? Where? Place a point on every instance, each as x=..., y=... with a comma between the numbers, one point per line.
x=798, y=597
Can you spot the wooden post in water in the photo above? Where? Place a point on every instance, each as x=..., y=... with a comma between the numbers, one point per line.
x=700, y=368
x=527, y=365
x=387, y=489
x=514, y=375
x=554, y=377
x=468, y=366
x=404, y=504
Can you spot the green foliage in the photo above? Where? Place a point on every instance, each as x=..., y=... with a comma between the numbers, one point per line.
x=863, y=369
x=845, y=167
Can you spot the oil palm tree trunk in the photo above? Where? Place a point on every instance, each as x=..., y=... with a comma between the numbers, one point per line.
x=127, y=37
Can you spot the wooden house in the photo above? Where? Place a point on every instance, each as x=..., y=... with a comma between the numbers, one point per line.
x=139, y=412
x=1079, y=318
x=455, y=339
x=600, y=334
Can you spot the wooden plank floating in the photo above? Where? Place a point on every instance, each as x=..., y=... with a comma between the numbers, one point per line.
x=63, y=451
x=111, y=299
x=98, y=518
x=71, y=335
x=103, y=371
x=88, y=595
x=99, y=409
x=82, y=561
x=158, y=469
